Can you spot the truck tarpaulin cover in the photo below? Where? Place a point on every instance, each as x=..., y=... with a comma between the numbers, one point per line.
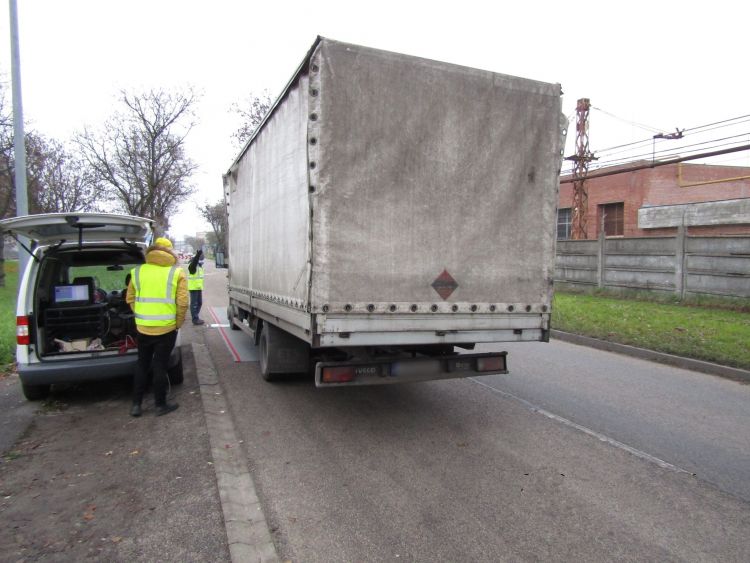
x=381, y=171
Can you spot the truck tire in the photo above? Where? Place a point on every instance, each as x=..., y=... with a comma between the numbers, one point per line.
x=230, y=316
x=281, y=353
x=264, y=353
x=35, y=392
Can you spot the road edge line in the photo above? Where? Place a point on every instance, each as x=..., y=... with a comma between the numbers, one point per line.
x=586, y=430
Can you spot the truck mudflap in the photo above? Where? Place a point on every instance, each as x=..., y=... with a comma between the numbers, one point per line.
x=403, y=370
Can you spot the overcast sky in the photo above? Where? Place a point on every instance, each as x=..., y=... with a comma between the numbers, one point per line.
x=662, y=64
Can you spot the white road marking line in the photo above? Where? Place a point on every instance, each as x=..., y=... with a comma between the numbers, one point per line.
x=599, y=436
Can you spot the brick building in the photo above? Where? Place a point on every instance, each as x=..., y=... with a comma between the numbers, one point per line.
x=707, y=199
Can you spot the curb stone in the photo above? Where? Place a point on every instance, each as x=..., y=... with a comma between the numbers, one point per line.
x=735, y=374
x=246, y=527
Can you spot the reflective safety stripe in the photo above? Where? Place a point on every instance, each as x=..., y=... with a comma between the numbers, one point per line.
x=136, y=277
x=153, y=300
x=155, y=317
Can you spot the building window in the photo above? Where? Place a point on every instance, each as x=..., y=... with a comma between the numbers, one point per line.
x=564, y=218
x=614, y=219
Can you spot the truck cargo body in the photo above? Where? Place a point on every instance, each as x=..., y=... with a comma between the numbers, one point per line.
x=391, y=201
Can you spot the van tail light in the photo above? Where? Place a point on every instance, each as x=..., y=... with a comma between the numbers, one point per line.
x=22, y=331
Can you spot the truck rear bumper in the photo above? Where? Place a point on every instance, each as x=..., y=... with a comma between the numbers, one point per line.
x=404, y=370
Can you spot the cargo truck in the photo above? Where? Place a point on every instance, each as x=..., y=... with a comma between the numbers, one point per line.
x=389, y=213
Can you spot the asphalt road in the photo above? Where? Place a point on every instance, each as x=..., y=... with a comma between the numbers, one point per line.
x=694, y=421
x=578, y=454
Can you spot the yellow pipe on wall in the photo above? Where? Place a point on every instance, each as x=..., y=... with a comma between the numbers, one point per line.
x=680, y=183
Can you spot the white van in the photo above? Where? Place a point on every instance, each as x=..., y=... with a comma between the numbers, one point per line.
x=72, y=321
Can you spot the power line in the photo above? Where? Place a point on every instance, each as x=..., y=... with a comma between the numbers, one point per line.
x=683, y=148
x=702, y=128
x=718, y=122
x=646, y=127
x=658, y=163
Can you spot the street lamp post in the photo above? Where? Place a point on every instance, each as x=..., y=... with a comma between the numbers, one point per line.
x=19, y=144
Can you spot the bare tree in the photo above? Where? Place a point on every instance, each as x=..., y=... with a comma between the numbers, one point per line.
x=251, y=114
x=216, y=216
x=139, y=157
x=57, y=180
x=7, y=169
x=211, y=240
x=7, y=183
x=195, y=242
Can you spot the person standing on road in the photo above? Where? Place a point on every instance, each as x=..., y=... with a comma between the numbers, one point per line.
x=157, y=294
x=195, y=286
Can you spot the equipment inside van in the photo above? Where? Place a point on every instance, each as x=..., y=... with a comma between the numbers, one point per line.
x=72, y=295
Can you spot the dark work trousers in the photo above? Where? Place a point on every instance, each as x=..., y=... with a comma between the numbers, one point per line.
x=196, y=302
x=153, y=353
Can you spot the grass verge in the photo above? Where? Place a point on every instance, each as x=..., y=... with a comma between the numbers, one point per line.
x=8, y=315
x=713, y=335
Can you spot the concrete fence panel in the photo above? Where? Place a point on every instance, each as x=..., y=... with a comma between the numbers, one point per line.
x=712, y=284
x=658, y=262
x=639, y=279
x=682, y=265
x=640, y=246
x=718, y=245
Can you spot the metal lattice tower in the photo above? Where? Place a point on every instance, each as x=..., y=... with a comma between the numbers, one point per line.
x=581, y=160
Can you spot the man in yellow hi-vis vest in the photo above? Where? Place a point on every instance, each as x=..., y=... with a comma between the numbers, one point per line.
x=157, y=294
x=195, y=286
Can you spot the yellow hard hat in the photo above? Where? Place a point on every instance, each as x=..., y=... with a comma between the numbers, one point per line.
x=165, y=242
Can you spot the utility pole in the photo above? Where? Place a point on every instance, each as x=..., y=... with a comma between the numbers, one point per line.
x=19, y=138
x=581, y=160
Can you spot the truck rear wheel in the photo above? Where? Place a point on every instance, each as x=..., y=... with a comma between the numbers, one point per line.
x=281, y=353
x=230, y=316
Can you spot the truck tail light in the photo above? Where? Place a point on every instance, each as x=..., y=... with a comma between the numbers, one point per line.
x=22, y=331
x=339, y=374
x=492, y=363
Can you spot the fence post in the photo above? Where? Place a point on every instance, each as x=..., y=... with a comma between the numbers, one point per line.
x=600, y=260
x=679, y=262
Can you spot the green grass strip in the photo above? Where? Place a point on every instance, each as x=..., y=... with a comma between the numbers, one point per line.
x=8, y=315
x=713, y=335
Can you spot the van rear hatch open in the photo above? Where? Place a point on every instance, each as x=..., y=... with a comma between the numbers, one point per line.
x=50, y=228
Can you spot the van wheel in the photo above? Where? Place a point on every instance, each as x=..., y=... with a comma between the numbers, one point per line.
x=175, y=373
x=35, y=392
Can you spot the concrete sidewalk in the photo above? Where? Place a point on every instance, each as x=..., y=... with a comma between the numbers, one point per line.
x=85, y=480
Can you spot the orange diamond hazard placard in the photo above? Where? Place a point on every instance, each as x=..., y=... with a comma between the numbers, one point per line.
x=444, y=284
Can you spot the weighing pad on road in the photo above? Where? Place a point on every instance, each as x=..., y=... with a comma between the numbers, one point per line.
x=238, y=343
